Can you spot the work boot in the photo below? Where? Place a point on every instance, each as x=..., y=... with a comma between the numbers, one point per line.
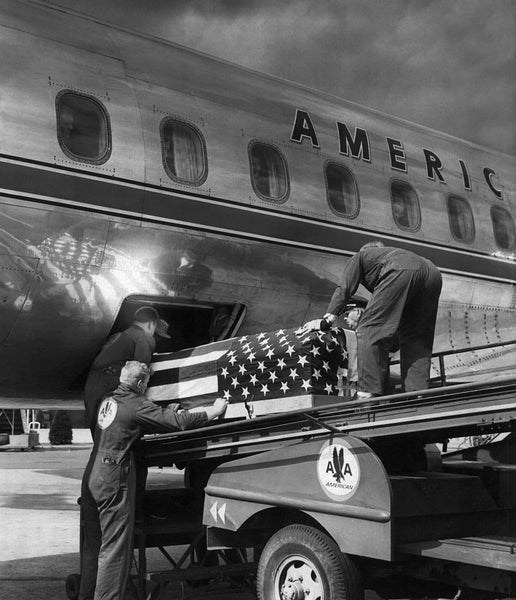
x=365, y=406
x=363, y=395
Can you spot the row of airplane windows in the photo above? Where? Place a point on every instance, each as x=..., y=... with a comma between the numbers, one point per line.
x=84, y=134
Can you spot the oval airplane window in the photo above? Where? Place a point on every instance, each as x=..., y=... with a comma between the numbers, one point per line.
x=460, y=216
x=184, y=152
x=83, y=128
x=503, y=228
x=269, y=174
x=342, y=191
x=405, y=205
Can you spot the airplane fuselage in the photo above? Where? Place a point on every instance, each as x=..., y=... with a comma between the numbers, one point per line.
x=134, y=171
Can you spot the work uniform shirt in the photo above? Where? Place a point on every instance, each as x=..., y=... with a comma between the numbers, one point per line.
x=123, y=417
x=368, y=267
x=132, y=344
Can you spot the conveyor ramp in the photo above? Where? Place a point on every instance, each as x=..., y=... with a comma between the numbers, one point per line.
x=431, y=415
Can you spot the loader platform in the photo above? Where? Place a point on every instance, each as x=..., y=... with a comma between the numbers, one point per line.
x=428, y=416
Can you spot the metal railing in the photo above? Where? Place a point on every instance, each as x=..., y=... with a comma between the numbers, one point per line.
x=441, y=356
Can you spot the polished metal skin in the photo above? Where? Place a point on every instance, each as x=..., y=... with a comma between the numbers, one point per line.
x=78, y=239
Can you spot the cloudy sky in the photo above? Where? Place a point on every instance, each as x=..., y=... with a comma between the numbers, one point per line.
x=447, y=64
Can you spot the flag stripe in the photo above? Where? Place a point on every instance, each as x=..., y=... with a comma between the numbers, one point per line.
x=184, y=389
x=187, y=361
x=200, y=351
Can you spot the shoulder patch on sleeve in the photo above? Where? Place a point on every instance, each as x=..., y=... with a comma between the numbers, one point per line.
x=107, y=413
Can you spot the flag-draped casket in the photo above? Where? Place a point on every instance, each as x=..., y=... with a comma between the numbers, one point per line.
x=259, y=374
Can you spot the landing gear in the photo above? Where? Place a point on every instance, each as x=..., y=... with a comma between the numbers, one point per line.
x=301, y=563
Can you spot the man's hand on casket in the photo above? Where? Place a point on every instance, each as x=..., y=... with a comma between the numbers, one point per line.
x=315, y=325
x=217, y=409
x=220, y=406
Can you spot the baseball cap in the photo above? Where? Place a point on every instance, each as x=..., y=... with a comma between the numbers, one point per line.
x=146, y=314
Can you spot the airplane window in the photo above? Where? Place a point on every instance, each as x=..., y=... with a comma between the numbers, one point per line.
x=405, y=205
x=460, y=216
x=268, y=172
x=342, y=190
x=83, y=128
x=184, y=152
x=503, y=228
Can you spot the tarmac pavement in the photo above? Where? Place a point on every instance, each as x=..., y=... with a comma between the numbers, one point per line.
x=39, y=518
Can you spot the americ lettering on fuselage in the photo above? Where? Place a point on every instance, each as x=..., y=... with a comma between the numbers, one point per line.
x=356, y=144
x=132, y=173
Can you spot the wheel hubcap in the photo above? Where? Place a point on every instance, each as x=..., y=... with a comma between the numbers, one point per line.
x=297, y=578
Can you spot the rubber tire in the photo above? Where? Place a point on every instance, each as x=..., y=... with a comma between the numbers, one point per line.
x=72, y=586
x=339, y=575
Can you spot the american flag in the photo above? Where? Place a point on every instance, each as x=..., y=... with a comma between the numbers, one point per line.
x=267, y=372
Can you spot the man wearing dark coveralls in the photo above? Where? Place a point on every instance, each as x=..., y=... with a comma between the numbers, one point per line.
x=405, y=292
x=135, y=343
x=108, y=484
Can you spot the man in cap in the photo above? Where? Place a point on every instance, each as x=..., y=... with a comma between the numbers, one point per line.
x=109, y=481
x=405, y=291
x=135, y=343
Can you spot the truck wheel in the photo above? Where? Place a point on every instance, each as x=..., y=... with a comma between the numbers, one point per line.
x=72, y=586
x=301, y=563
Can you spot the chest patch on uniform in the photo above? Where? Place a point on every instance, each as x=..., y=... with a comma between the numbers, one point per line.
x=107, y=413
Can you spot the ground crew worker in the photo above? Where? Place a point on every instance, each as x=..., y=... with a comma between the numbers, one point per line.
x=108, y=484
x=405, y=292
x=135, y=343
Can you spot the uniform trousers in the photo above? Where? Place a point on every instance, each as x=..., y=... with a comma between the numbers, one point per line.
x=404, y=303
x=107, y=514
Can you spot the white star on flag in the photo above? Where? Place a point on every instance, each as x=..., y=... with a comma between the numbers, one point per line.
x=293, y=373
x=290, y=350
x=273, y=376
x=306, y=384
x=281, y=363
x=302, y=360
x=241, y=369
x=328, y=388
x=234, y=382
x=261, y=366
x=245, y=393
x=265, y=389
x=224, y=372
x=284, y=387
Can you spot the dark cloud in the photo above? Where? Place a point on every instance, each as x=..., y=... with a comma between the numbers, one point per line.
x=447, y=64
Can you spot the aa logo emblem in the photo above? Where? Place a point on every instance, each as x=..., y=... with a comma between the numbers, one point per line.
x=107, y=413
x=338, y=470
